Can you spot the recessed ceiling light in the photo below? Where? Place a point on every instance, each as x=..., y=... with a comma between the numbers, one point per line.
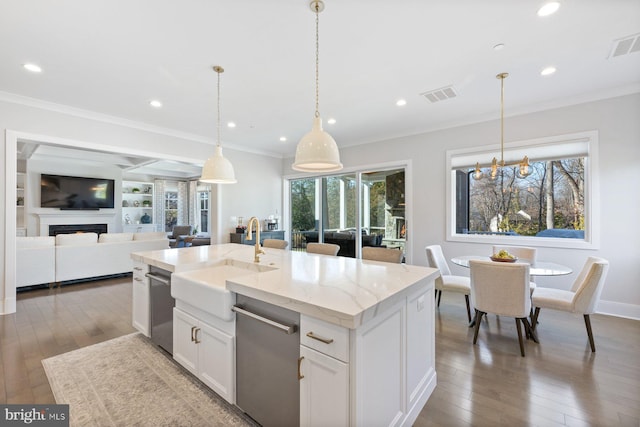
x=155, y=103
x=549, y=8
x=231, y=124
x=499, y=46
x=401, y=102
x=32, y=67
x=548, y=71
x=331, y=121
x=283, y=138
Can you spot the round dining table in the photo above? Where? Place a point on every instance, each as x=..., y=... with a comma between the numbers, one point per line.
x=539, y=268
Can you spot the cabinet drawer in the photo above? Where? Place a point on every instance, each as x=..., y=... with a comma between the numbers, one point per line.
x=327, y=338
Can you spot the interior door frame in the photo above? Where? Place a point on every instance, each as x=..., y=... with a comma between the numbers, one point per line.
x=8, y=294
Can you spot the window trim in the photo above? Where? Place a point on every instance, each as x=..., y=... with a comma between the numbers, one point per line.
x=591, y=189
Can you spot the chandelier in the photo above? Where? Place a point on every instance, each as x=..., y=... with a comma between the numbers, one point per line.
x=523, y=168
x=217, y=169
x=317, y=151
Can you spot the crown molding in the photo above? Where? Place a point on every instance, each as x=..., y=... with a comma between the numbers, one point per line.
x=119, y=121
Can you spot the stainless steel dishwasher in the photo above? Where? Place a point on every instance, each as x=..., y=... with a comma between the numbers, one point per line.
x=267, y=351
x=161, y=307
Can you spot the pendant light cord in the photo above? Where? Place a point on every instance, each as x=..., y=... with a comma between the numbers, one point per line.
x=501, y=121
x=218, y=106
x=317, y=60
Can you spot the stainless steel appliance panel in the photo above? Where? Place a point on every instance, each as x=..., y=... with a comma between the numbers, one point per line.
x=267, y=351
x=161, y=306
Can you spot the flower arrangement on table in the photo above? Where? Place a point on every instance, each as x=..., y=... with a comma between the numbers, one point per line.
x=241, y=228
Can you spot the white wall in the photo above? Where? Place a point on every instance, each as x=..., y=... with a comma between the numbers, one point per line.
x=259, y=194
x=618, y=122
x=258, y=191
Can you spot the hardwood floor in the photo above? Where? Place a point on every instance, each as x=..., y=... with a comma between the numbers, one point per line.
x=559, y=382
x=48, y=322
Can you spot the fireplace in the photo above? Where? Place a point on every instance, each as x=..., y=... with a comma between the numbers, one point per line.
x=77, y=228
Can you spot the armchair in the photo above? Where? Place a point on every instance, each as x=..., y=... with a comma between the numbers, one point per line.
x=175, y=236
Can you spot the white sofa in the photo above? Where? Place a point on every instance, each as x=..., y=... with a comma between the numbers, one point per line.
x=35, y=260
x=84, y=255
x=80, y=256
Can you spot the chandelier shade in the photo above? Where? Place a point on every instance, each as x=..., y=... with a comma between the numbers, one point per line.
x=317, y=151
x=217, y=169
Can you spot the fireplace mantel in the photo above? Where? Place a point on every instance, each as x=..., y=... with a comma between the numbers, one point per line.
x=75, y=217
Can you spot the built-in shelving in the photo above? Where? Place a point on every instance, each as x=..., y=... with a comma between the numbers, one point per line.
x=137, y=206
x=21, y=227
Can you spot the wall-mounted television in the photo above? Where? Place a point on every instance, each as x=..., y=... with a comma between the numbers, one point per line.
x=75, y=192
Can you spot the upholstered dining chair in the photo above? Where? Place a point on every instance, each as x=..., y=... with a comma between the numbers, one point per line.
x=447, y=281
x=382, y=254
x=524, y=253
x=502, y=289
x=275, y=243
x=323, y=248
x=583, y=297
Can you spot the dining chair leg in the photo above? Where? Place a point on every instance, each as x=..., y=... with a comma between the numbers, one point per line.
x=473, y=319
x=530, y=332
x=477, y=325
x=439, y=297
x=520, y=336
x=534, y=319
x=466, y=298
x=587, y=322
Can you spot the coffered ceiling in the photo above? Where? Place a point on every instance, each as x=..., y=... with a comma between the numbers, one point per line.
x=114, y=56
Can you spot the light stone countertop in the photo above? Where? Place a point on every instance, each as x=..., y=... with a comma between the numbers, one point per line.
x=343, y=291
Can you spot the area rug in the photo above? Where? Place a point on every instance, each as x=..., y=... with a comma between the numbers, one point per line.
x=128, y=381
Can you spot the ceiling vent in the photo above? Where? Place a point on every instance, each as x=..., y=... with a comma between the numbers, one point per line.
x=625, y=46
x=440, y=94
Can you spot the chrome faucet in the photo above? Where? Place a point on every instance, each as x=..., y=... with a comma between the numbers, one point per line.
x=250, y=236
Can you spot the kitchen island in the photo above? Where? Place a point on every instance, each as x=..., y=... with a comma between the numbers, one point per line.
x=366, y=343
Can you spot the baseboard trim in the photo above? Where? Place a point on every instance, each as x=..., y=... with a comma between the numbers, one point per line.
x=619, y=309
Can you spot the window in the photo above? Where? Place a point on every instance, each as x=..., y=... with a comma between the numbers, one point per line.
x=170, y=209
x=203, y=208
x=555, y=203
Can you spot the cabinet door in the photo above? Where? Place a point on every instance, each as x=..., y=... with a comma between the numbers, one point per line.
x=185, y=349
x=380, y=368
x=324, y=390
x=140, y=304
x=216, y=361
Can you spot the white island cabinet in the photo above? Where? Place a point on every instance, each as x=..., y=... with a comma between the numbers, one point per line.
x=323, y=373
x=205, y=351
x=386, y=367
x=367, y=337
x=141, y=294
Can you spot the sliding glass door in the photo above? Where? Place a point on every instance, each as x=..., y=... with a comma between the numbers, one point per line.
x=383, y=219
x=351, y=210
x=304, y=215
x=339, y=221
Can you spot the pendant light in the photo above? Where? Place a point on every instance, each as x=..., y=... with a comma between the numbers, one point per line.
x=317, y=151
x=524, y=169
x=217, y=169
